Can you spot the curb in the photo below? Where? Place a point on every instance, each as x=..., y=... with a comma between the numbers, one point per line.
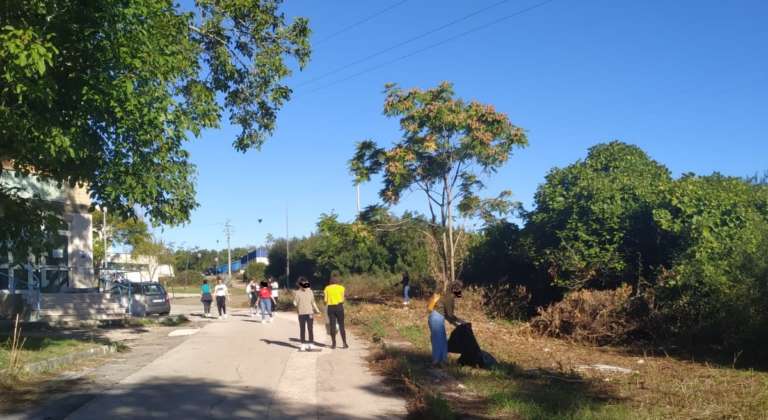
x=56, y=362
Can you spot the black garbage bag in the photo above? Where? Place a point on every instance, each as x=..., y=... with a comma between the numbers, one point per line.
x=463, y=342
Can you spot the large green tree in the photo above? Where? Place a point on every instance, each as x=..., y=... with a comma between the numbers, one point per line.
x=715, y=286
x=593, y=221
x=105, y=93
x=447, y=144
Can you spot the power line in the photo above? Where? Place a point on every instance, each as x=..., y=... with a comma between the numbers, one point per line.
x=437, y=44
x=402, y=43
x=360, y=22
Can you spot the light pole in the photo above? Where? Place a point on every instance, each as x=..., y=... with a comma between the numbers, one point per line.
x=104, y=235
x=287, y=253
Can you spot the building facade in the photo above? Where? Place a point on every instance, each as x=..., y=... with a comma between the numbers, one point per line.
x=69, y=263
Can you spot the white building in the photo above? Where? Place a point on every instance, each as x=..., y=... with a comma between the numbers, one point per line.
x=70, y=263
x=139, y=268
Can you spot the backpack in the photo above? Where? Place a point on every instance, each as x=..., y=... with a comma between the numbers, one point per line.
x=433, y=302
x=265, y=293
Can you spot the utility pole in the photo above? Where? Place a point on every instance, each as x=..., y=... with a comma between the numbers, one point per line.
x=287, y=253
x=357, y=195
x=228, y=233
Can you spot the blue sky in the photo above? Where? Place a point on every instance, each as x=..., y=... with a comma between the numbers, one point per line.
x=686, y=80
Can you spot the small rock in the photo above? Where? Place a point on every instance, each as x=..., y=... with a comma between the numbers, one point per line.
x=179, y=333
x=605, y=368
x=460, y=386
x=547, y=349
x=640, y=361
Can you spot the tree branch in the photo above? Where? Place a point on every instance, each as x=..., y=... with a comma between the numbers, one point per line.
x=222, y=41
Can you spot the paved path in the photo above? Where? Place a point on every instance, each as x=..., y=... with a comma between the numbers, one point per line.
x=238, y=368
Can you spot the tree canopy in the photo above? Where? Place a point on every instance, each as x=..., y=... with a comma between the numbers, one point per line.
x=105, y=93
x=593, y=220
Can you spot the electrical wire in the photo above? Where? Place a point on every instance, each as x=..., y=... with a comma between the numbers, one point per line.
x=437, y=44
x=360, y=22
x=402, y=43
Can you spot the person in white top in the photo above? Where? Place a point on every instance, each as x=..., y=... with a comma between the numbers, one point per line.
x=222, y=294
x=252, y=290
x=275, y=290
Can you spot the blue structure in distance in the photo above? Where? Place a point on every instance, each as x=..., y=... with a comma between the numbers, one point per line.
x=240, y=263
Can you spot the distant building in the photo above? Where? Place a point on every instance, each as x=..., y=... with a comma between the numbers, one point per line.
x=258, y=255
x=139, y=268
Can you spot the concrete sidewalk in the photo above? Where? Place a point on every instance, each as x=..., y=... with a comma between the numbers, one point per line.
x=238, y=368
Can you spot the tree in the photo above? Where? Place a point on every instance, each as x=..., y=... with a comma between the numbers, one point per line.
x=715, y=285
x=105, y=93
x=446, y=145
x=256, y=270
x=346, y=248
x=593, y=221
x=303, y=262
x=132, y=231
x=158, y=250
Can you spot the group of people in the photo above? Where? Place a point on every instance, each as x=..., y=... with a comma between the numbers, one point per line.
x=264, y=295
x=304, y=301
x=263, y=298
x=220, y=292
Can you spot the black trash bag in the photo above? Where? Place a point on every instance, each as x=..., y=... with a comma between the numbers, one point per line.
x=463, y=342
x=488, y=360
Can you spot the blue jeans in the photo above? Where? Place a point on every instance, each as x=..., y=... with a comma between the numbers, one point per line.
x=266, y=308
x=406, y=293
x=438, y=336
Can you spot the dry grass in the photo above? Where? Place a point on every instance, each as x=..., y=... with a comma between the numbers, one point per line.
x=542, y=377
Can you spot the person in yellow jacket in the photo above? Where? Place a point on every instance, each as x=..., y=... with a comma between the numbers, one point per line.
x=334, y=300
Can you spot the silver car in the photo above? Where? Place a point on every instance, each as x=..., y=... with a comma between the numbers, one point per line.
x=149, y=299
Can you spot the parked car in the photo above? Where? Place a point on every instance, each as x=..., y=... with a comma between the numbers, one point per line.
x=148, y=298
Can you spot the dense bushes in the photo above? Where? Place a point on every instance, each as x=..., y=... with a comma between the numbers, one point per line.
x=692, y=249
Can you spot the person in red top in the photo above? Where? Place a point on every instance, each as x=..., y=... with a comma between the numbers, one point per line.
x=265, y=302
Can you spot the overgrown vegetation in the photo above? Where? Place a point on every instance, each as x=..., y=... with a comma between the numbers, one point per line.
x=630, y=253
x=540, y=377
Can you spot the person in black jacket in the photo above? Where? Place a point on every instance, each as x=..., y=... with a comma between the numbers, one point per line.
x=443, y=311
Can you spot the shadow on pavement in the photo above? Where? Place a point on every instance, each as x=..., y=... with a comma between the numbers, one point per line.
x=296, y=340
x=182, y=398
x=279, y=343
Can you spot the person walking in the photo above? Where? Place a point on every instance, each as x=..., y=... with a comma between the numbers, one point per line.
x=275, y=287
x=334, y=299
x=222, y=294
x=265, y=302
x=442, y=309
x=304, y=300
x=206, y=298
x=406, y=282
x=252, y=290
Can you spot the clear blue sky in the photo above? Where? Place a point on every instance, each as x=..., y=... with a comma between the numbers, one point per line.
x=685, y=80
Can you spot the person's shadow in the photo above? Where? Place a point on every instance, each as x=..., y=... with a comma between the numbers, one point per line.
x=280, y=343
x=296, y=340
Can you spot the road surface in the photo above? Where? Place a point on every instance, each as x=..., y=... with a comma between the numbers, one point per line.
x=239, y=368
